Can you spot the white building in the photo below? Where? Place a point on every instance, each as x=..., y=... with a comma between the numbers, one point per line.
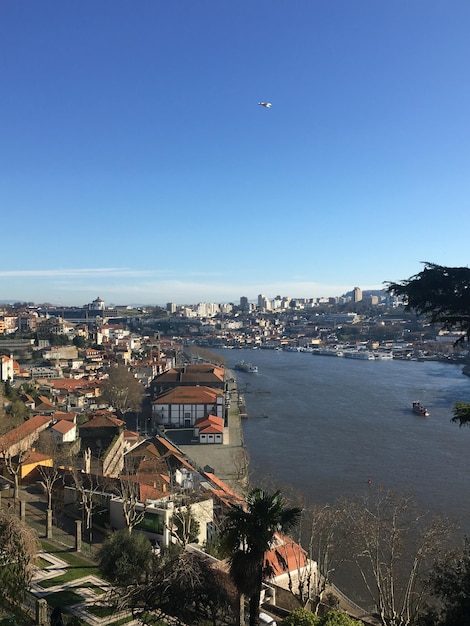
x=6, y=368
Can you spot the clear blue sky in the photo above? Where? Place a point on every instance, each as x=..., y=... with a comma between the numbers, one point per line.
x=136, y=164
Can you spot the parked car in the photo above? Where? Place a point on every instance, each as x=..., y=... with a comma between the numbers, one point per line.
x=264, y=618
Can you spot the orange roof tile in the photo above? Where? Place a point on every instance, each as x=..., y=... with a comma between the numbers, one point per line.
x=189, y=395
x=63, y=427
x=25, y=429
x=33, y=456
x=285, y=556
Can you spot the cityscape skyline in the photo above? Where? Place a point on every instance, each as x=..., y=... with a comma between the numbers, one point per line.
x=100, y=303
x=137, y=164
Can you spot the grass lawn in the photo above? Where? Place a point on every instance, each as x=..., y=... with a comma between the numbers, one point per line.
x=77, y=567
x=63, y=598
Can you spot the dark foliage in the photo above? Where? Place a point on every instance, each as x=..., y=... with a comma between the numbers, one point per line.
x=442, y=294
x=450, y=581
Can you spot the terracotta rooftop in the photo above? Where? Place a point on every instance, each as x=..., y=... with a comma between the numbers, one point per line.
x=24, y=430
x=63, y=426
x=33, y=456
x=285, y=556
x=189, y=395
x=103, y=421
x=210, y=424
x=62, y=415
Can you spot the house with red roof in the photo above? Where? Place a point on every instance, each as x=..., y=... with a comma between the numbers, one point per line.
x=205, y=374
x=33, y=459
x=181, y=407
x=45, y=406
x=64, y=431
x=20, y=439
x=209, y=429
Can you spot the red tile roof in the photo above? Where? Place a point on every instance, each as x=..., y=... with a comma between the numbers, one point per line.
x=100, y=421
x=24, y=430
x=33, y=456
x=63, y=427
x=189, y=395
x=210, y=424
x=285, y=556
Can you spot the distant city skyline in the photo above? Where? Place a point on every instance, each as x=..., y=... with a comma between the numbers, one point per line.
x=136, y=163
x=109, y=295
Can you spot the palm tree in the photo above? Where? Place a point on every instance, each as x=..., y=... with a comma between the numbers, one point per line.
x=248, y=534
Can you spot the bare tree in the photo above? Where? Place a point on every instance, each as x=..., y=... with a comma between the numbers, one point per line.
x=122, y=390
x=13, y=455
x=132, y=507
x=88, y=489
x=393, y=545
x=323, y=537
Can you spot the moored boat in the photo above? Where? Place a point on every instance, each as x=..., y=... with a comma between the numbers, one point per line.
x=419, y=409
x=363, y=355
x=244, y=366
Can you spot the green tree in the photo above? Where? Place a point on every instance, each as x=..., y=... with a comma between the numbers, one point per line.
x=334, y=617
x=186, y=586
x=125, y=557
x=450, y=580
x=301, y=617
x=79, y=342
x=248, y=533
x=338, y=618
x=442, y=294
x=18, y=549
x=461, y=413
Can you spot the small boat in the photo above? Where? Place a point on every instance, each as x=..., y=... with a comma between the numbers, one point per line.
x=419, y=410
x=243, y=366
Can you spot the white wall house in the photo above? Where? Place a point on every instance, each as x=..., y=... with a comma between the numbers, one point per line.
x=181, y=407
x=6, y=368
x=156, y=524
x=64, y=431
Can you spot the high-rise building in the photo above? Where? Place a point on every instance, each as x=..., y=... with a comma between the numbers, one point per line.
x=357, y=294
x=244, y=303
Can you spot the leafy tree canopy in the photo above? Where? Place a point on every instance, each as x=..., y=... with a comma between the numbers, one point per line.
x=303, y=617
x=440, y=293
x=450, y=580
x=125, y=556
x=461, y=413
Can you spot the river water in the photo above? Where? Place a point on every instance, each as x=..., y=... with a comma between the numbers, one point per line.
x=326, y=426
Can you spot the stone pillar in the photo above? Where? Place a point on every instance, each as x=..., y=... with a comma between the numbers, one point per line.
x=49, y=524
x=78, y=535
x=41, y=612
x=23, y=510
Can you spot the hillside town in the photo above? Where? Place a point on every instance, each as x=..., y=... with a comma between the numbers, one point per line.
x=93, y=399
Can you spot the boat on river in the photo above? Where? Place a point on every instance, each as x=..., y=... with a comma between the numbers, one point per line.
x=363, y=355
x=419, y=409
x=244, y=366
